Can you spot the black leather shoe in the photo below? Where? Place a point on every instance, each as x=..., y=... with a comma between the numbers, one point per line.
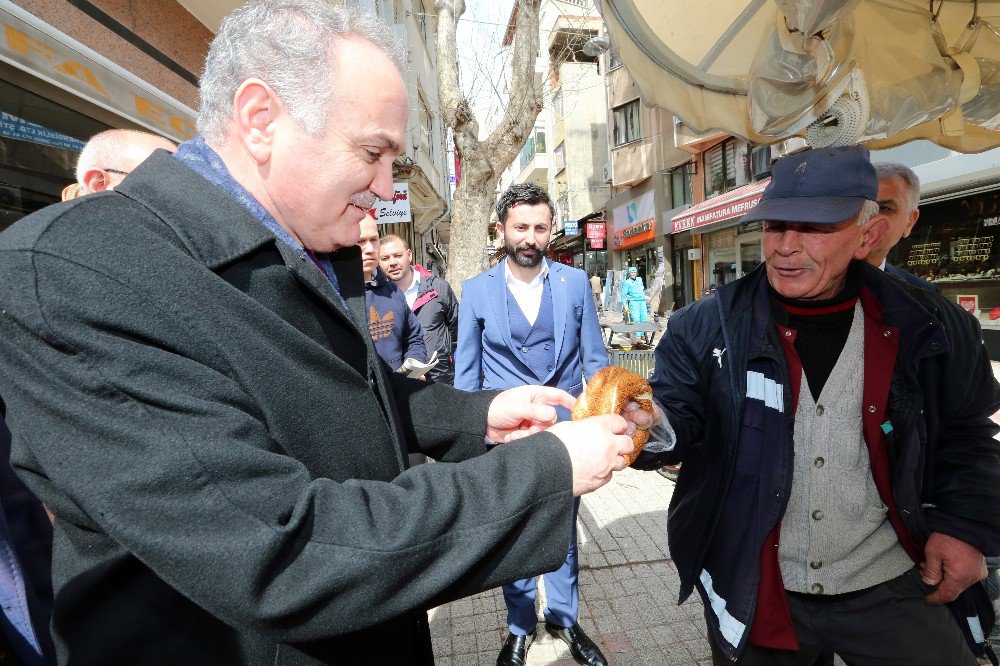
x=584, y=650
x=515, y=650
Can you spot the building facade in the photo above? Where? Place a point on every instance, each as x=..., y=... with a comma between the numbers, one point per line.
x=567, y=150
x=69, y=70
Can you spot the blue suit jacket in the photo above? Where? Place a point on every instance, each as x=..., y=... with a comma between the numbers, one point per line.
x=486, y=357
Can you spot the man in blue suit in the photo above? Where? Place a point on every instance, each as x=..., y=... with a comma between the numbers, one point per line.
x=531, y=321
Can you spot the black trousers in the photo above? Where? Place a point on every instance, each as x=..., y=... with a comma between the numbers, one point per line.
x=889, y=624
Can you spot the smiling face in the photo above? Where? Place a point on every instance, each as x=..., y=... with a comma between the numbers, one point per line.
x=321, y=187
x=395, y=261
x=526, y=234
x=809, y=261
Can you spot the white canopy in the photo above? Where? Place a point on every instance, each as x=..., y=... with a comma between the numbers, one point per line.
x=878, y=72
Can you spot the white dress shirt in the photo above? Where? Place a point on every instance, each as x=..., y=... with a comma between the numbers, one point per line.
x=411, y=292
x=527, y=294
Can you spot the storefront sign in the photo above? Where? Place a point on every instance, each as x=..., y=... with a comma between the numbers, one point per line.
x=634, y=222
x=969, y=303
x=728, y=206
x=31, y=45
x=571, y=228
x=13, y=127
x=596, y=230
x=597, y=243
x=396, y=209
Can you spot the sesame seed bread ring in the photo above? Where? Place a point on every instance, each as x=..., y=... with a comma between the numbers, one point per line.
x=608, y=392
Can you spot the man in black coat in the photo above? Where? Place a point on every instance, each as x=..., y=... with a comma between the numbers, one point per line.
x=431, y=299
x=193, y=392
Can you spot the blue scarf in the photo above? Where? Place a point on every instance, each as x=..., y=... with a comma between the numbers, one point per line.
x=197, y=156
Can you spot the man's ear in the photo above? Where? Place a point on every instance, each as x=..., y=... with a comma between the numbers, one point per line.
x=912, y=220
x=873, y=233
x=95, y=180
x=255, y=107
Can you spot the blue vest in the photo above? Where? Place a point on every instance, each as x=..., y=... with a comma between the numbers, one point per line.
x=536, y=344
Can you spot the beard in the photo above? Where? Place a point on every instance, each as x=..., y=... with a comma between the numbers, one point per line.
x=516, y=253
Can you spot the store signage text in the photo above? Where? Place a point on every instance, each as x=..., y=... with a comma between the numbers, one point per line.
x=13, y=127
x=633, y=222
x=396, y=209
x=715, y=215
x=571, y=228
x=596, y=230
x=28, y=48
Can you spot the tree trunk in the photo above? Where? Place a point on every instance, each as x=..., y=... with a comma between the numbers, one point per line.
x=467, y=255
x=483, y=161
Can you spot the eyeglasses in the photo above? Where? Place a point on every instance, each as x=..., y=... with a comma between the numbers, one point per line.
x=124, y=173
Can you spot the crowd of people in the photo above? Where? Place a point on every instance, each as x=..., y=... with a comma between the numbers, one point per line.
x=216, y=457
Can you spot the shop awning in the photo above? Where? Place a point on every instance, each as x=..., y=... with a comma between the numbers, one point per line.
x=725, y=207
x=878, y=72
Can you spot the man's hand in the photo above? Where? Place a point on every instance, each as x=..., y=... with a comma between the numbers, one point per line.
x=596, y=447
x=638, y=418
x=952, y=566
x=523, y=411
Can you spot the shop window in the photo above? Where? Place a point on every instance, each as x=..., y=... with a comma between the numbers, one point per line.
x=956, y=245
x=40, y=141
x=626, y=123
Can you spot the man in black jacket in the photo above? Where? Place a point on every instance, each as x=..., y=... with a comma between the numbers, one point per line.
x=431, y=299
x=840, y=479
x=193, y=392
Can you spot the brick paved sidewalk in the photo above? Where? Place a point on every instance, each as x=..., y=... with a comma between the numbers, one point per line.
x=628, y=590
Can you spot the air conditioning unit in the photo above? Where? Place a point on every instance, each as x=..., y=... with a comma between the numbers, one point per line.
x=788, y=146
x=607, y=172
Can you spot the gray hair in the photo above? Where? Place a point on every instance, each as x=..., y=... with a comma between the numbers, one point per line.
x=869, y=209
x=286, y=44
x=890, y=169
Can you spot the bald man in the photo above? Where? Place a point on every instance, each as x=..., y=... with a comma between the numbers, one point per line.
x=111, y=155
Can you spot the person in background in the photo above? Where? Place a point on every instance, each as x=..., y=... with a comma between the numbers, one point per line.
x=532, y=321
x=432, y=300
x=111, y=155
x=393, y=326
x=26, y=571
x=633, y=296
x=595, y=288
x=898, y=200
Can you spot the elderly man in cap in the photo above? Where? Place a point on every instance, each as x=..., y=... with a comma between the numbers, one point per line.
x=840, y=481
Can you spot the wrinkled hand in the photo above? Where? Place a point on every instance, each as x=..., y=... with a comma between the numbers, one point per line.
x=596, y=447
x=523, y=411
x=952, y=565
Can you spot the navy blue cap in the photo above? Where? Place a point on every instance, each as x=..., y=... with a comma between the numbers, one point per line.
x=818, y=186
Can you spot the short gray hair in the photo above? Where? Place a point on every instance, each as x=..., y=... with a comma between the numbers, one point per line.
x=869, y=209
x=889, y=169
x=286, y=44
